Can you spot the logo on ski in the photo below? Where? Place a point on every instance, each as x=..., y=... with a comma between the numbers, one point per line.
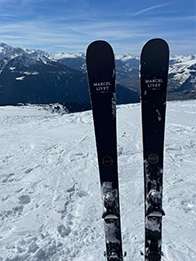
x=107, y=161
x=154, y=84
x=153, y=158
x=102, y=87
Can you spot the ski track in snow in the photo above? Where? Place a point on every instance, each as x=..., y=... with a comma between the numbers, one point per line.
x=50, y=193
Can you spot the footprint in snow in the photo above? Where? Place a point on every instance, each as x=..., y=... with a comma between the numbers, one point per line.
x=24, y=199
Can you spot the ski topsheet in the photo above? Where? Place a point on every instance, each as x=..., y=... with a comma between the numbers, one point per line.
x=153, y=78
x=101, y=75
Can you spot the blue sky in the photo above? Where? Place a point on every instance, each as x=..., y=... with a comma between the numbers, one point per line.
x=70, y=25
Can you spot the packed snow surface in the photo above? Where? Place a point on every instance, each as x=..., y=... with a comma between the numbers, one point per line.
x=50, y=192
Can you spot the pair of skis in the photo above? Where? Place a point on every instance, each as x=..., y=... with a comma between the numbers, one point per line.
x=153, y=78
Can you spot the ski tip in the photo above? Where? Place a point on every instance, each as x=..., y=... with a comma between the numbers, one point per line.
x=98, y=41
x=157, y=43
x=158, y=40
x=98, y=44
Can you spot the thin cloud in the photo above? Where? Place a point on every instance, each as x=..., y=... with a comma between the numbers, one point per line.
x=149, y=9
x=73, y=28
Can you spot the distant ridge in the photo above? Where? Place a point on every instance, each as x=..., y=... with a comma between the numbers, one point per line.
x=36, y=76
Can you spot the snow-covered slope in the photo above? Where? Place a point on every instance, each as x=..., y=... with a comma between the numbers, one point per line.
x=25, y=57
x=31, y=56
x=50, y=195
x=61, y=55
x=182, y=67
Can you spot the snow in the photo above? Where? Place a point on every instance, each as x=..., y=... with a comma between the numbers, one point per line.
x=26, y=73
x=20, y=78
x=61, y=55
x=125, y=57
x=181, y=67
x=50, y=194
x=31, y=73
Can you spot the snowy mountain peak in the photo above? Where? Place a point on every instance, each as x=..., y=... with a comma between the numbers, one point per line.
x=32, y=56
x=183, y=59
x=181, y=80
x=3, y=45
x=62, y=55
x=182, y=67
x=25, y=57
x=8, y=52
x=125, y=57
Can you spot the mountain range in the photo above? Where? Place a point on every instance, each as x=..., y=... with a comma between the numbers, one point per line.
x=39, y=77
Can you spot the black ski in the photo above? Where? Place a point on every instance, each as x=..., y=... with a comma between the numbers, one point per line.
x=101, y=76
x=153, y=78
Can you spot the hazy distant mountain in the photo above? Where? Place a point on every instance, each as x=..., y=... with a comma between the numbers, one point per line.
x=181, y=79
x=29, y=77
x=35, y=76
